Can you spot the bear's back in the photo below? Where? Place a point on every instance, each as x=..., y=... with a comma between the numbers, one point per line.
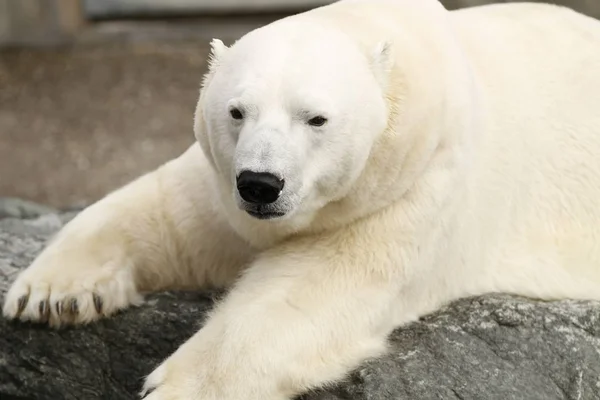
x=538, y=180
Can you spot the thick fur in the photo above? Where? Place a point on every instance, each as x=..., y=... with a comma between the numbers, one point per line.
x=461, y=156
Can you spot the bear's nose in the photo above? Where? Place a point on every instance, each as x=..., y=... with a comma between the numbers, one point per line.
x=259, y=187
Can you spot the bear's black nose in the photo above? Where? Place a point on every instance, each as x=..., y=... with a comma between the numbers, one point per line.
x=259, y=187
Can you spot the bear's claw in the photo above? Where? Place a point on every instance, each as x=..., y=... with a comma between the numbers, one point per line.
x=59, y=307
x=74, y=307
x=44, y=310
x=21, y=304
x=97, y=303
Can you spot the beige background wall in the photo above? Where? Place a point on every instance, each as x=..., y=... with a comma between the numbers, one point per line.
x=42, y=22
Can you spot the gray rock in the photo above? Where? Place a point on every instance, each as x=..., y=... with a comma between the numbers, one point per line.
x=493, y=347
x=11, y=207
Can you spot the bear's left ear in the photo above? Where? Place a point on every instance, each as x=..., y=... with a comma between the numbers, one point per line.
x=382, y=61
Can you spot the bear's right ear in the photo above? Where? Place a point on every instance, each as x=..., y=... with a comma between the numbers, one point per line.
x=382, y=61
x=217, y=50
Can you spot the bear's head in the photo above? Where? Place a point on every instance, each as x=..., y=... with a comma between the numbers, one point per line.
x=308, y=125
x=288, y=120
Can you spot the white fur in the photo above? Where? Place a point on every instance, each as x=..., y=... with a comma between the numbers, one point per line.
x=461, y=156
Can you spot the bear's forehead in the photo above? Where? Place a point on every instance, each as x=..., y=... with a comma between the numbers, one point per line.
x=291, y=62
x=291, y=65
x=279, y=80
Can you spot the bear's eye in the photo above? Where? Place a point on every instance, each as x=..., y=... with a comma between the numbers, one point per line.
x=236, y=113
x=317, y=121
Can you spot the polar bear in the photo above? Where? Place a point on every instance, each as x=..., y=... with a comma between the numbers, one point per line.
x=356, y=166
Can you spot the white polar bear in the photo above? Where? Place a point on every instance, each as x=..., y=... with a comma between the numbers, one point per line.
x=357, y=166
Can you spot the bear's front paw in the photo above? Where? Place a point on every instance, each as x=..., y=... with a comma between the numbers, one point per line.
x=61, y=288
x=181, y=378
x=198, y=371
x=176, y=379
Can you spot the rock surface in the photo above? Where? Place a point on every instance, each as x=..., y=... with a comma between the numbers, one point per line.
x=492, y=347
x=17, y=208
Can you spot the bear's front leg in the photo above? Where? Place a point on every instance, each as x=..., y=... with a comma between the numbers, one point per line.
x=159, y=232
x=304, y=314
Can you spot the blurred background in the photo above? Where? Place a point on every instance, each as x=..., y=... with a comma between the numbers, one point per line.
x=96, y=92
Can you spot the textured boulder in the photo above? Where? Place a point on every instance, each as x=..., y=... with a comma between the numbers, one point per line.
x=492, y=347
x=17, y=208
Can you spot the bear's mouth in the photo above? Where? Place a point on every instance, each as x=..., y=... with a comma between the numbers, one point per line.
x=265, y=214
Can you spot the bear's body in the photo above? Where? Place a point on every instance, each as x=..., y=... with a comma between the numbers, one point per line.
x=460, y=154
